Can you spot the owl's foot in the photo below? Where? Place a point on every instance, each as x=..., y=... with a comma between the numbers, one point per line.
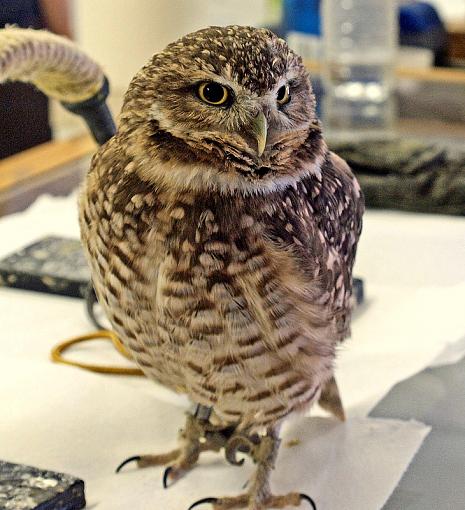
x=245, y=501
x=150, y=460
x=263, y=451
x=197, y=436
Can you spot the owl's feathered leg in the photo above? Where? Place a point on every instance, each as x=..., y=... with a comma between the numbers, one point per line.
x=259, y=496
x=196, y=437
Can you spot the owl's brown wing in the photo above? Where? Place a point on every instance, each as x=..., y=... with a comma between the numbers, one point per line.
x=348, y=206
x=345, y=198
x=319, y=221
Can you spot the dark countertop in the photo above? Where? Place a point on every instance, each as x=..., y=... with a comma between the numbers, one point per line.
x=436, y=478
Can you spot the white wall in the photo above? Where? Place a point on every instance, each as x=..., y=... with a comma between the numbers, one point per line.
x=122, y=35
x=450, y=10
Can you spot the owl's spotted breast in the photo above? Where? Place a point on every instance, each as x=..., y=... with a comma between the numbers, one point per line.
x=233, y=300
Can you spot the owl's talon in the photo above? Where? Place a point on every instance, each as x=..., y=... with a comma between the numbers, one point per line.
x=231, y=457
x=202, y=501
x=236, y=444
x=135, y=458
x=166, y=475
x=251, y=500
x=309, y=499
x=174, y=473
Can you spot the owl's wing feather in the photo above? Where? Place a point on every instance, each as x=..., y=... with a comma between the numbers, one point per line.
x=349, y=207
x=319, y=221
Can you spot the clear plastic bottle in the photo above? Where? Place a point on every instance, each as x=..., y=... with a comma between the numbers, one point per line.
x=360, y=41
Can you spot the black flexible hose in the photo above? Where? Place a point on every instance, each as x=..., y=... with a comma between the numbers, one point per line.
x=96, y=114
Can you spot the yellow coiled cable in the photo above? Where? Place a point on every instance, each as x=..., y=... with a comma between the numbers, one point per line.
x=58, y=350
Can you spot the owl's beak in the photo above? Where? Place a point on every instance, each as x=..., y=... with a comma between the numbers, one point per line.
x=260, y=131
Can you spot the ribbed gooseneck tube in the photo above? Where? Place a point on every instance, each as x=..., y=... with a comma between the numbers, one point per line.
x=54, y=64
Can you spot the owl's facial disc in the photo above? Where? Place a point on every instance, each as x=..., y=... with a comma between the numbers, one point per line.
x=245, y=113
x=232, y=127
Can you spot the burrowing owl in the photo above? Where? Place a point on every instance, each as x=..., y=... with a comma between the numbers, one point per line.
x=222, y=234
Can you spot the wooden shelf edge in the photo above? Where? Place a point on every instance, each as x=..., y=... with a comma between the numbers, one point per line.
x=43, y=159
x=430, y=74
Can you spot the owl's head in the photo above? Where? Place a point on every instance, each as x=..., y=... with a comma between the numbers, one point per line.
x=228, y=107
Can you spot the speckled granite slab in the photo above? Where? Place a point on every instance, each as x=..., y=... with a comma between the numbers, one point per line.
x=29, y=488
x=54, y=264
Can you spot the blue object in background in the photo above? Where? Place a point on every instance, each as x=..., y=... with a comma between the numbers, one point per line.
x=302, y=16
x=421, y=26
x=418, y=17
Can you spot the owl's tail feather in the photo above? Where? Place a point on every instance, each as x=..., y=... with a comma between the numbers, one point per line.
x=330, y=399
x=61, y=70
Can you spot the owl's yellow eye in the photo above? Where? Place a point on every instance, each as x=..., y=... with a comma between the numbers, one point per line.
x=283, y=96
x=213, y=93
